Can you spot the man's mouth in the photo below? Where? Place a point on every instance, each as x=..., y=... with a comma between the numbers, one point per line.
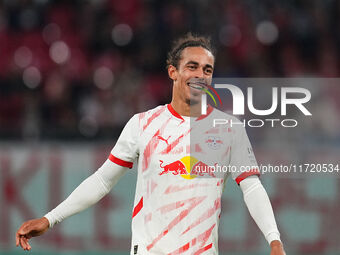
x=196, y=85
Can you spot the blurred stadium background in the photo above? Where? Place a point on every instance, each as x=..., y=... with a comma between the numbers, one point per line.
x=73, y=72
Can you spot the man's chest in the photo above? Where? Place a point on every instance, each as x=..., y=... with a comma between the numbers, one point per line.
x=182, y=149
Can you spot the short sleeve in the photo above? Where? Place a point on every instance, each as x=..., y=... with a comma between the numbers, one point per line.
x=242, y=162
x=126, y=149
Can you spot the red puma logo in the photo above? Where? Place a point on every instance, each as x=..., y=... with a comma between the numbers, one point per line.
x=163, y=139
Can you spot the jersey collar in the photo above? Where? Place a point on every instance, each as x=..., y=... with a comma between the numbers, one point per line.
x=177, y=115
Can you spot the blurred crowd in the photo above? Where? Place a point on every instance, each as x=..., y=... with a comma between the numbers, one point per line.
x=80, y=69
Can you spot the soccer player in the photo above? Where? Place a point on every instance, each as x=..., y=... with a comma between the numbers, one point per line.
x=178, y=195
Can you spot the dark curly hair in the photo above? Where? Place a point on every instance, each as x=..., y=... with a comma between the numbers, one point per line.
x=189, y=40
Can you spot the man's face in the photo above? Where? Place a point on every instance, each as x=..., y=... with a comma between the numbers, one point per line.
x=195, y=68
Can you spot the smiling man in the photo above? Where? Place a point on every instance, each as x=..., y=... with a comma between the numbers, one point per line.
x=190, y=68
x=178, y=196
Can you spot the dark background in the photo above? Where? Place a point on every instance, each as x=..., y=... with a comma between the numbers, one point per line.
x=78, y=70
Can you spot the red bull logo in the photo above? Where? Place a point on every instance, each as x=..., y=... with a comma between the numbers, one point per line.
x=175, y=168
x=214, y=142
x=187, y=167
x=202, y=169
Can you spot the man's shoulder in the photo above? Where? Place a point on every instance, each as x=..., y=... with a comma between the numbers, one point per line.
x=154, y=111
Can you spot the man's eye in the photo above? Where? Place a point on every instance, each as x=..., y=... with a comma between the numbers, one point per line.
x=208, y=71
x=191, y=67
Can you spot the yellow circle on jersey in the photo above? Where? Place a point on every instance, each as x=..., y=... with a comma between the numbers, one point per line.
x=189, y=162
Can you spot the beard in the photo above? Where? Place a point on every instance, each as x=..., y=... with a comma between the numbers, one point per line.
x=195, y=97
x=193, y=101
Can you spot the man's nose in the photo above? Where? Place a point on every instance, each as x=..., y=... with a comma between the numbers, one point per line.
x=199, y=73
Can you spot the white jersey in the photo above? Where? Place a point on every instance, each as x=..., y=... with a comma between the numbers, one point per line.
x=178, y=194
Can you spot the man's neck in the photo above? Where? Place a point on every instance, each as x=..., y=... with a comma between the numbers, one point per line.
x=185, y=109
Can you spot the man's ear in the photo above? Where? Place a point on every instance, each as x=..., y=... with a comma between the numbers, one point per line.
x=172, y=72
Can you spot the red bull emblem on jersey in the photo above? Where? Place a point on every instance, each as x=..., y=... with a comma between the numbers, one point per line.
x=202, y=169
x=187, y=167
x=176, y=167
x=214, y=142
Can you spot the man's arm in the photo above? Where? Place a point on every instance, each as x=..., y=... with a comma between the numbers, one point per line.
x=260, y=209
x=89, y=192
